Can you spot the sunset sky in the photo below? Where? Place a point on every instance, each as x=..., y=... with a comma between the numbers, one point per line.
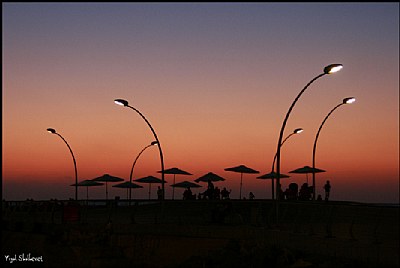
x=215, y=80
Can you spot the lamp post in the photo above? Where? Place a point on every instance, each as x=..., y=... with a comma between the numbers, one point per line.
x=332, y=68
x=53, y=131
x=296, y=131
x=137, y=157
x=345, y=101
x=126, y=104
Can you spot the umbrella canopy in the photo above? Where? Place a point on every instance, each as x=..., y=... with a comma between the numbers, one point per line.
x=186, y=184
x=87, y=184
x=175, y=171
x=306, y=170
x=272, y=175
x=127, y=185
x=149, y=180
x=242, y=169
x=209, y=176
x=107, y=178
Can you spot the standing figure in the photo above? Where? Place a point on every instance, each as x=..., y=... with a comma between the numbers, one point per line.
x=159, y=193
x=210, y=190
x=225, y=194
x=251, y=196
x=327, y=188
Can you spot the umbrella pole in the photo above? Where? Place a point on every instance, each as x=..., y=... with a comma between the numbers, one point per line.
x=106, y=192
x=240, y=191
x=149, y=190
x=273, y=187
x=173, y=190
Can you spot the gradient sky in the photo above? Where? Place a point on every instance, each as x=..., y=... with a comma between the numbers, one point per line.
x=215, y=80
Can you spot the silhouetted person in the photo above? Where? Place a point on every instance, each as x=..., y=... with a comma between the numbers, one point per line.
x=217, y=193
x=291, y=191
x=327, y=188
x=210, y=190
x=225, y=194
x=295, y=190
x=159, y=193
x=319, y=198
x=251, y=196
x=210, y=185
x=305, y=193
x=311, y=190
x=187, y=195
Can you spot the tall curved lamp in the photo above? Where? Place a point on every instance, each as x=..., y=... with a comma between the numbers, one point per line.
x=332, y=68
x=125, y=103
x=345, y=101
x=296, y=131
x=134, y=162
x=53, y=131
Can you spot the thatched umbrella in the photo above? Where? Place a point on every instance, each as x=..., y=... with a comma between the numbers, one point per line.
x=107, y=178
x=306, y=170
x=87, y=184
x=149, y=180
x=175, y=171
x=272, y=176
x=128, y=185
x=242, y=169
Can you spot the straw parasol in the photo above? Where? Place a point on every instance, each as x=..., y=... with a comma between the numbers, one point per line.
x=175, y=171
x=149, y=180
x=107, y=178
x=242, y=169
x=127, y=185
x=87, y=184
x=306, y=170
x=272, y=176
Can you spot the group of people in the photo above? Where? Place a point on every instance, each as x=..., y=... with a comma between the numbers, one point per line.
x=291, y=193
x=305, y=192
x=211, y=193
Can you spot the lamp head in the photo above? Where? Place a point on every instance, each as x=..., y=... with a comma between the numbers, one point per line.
x=154, y=143
x=349, y=100
x=298, y=130
x=333, y=68
x=51, y=130
x=121, y=102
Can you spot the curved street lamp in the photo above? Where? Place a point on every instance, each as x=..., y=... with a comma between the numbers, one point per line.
x=296, y=131
x=137, y=157
x=53, y=131
x=345, y=101
x=332, y=68
x=126, y=104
